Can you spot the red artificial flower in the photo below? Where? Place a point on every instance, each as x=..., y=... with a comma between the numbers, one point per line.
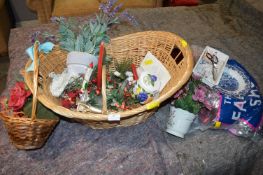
x=73, y=94
x=66, y=103
x=109, y=79
x=123, y=106
x=117, y=105
x=71, y=100
x=89, y=90
x=91, y=65
x=94, y=81
x=97, y=92
x=127, y=94
x=18, y=96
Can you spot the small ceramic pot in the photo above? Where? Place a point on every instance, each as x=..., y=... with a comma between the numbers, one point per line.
x=179, y=122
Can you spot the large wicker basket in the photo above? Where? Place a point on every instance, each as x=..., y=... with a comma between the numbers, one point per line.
x=25, y=132
x=169, y=48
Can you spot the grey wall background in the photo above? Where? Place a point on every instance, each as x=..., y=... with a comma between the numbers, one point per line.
x=20, y=11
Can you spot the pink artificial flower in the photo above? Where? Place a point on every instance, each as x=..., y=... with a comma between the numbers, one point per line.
x=203, y=88
x=208, y=105
x=196, y=77
x=199, y=95
x=204, y=116
x=180, y=92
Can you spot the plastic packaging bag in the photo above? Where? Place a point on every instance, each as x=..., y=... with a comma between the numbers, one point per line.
x=241, y=106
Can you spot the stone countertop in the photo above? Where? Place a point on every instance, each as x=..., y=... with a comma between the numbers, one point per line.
x=146, y=148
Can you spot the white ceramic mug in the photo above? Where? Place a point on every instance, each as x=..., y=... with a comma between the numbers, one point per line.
x=179, y=121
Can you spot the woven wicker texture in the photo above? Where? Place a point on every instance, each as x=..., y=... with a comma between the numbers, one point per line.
x=134, y=46
x=25, y=132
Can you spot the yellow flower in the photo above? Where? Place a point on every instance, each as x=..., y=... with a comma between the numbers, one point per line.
x=138, y=90
x=148, y=62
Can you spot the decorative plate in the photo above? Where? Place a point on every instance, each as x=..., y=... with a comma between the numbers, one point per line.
x=234, y=82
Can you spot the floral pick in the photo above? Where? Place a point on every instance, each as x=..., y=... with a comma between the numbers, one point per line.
x=45, y=47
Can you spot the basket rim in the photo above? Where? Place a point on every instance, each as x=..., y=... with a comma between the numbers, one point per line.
x=5, y=116
x=123, y=114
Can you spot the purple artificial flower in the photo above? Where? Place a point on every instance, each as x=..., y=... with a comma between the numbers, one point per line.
x=131, y=19
x=50, y=38
x=153, y=78
x=104, y=8
x=110, y=3
x=57, y=20
x=107, y=7
x=108, y=10
x=42, y=37
x=54, y=19
x=115, y=10
x=143, y=96
x=34, y=36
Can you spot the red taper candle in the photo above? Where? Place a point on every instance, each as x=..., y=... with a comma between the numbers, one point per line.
x=135, y=75
x=100, y=61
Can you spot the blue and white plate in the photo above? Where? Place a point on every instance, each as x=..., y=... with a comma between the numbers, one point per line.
x=234, y=82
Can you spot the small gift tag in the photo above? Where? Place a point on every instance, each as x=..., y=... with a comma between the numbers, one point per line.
x=114, y=117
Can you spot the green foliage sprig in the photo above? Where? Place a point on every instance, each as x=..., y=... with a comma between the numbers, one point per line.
x=86, y=36
x=184, y=97
x=75, y=36
x=195, y=96
x=123, y=67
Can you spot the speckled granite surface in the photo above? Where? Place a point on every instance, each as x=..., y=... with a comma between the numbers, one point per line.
x=145, y=148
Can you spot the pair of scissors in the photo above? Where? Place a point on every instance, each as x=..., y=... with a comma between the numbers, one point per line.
x=214, y=60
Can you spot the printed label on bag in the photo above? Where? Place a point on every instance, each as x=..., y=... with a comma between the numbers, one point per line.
x=114, y=117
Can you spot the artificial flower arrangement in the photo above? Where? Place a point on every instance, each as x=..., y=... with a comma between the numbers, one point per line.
x=197, y=98
x=19, y=102
x=28, y=124
x=123, y=89
x=79, y=85
x=18, y=96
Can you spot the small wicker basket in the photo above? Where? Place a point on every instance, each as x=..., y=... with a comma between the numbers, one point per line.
x=169, y=48
x=25, y=132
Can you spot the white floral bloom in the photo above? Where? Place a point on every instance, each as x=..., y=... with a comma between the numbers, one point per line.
x=130, y=79
x=117, y=74
x=129, y=74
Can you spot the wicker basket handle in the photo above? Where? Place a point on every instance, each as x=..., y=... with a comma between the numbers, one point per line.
x=35, y=85
x=103, y=91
